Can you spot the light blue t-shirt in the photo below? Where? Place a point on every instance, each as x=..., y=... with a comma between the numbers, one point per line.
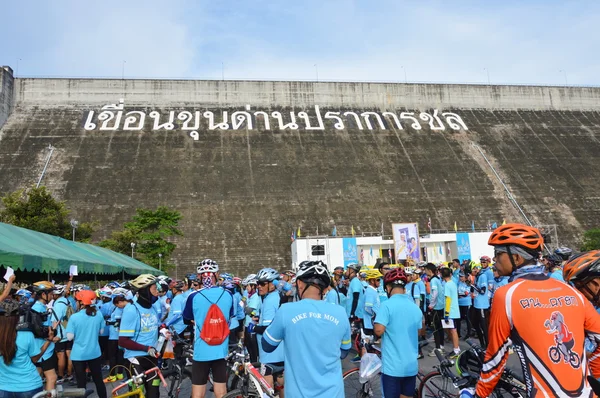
x=381, y=290
x=408, y=288
x=482, y=301
x=436, y=285
x=371, y=301
x=355, y=287
x=21, y=375
x=498, y=283
x=333, y=297
x=463, y=289
x=558, y=275
x=400, y=347
x=72, y=302
x=175, y=318
x=106, y=309
x=60, y=311
x=253, y=302
x=320, y=373
x=455, y=275
x=113, y=331
x=196, y=308
x=141, y=324
x=86, y=330
x=451, y=290
x=270, y=307
x=42, y=309
x=234, y=322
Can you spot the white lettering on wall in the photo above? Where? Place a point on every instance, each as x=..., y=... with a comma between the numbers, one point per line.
x=113, y=117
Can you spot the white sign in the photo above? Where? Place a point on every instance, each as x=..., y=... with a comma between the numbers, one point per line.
x=73, y=270
x=9, y=272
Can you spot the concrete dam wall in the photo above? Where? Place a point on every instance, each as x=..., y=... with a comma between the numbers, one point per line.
x=248, y=162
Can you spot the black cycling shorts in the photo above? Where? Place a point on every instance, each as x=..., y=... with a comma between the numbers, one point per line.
x=268, y=369
x=48, y=364
x=200, y=371
x=63, y=346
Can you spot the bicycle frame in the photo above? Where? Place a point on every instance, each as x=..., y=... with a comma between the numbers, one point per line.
x=138, y=380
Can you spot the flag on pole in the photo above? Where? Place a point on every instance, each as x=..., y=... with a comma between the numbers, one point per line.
x=362, y=255
x=390, y=254
x=455, y=227
x=503, y=221
x=473, y=225
x=429, y=224
x=352, y=231
x=441, y=250
x=298, y=233
x=293, y=237
x=494, y=225
x=334, y=232
x=371, y=252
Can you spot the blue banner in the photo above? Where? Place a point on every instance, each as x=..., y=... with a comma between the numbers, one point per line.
x=350, y=251
x=463, y=245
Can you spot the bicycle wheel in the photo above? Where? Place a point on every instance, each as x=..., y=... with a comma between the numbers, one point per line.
x=240, y=394
x=435, y=385
x=354, y=388
x=507, y=392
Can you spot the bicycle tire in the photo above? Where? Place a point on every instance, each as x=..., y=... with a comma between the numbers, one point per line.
x=239, y=394
x=431, y=387
x=353, y=387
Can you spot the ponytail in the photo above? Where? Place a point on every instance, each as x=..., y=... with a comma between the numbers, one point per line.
x=90, y=310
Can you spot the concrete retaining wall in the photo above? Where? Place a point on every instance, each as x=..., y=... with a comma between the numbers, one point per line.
x=6, y=93
x=213, y=93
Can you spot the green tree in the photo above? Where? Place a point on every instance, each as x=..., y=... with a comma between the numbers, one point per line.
x=150, y=230
x=591, y=240
x=38, y=210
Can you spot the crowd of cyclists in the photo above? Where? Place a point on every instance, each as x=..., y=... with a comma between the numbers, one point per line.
x=301, y=324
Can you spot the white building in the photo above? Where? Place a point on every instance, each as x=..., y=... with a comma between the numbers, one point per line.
x=434, y=247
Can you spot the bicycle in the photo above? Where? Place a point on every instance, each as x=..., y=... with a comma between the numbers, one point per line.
x=352, y=385
x=443, y=383
x=176, y=370
x=135, y=384
x=60, y=392
x=556, y=353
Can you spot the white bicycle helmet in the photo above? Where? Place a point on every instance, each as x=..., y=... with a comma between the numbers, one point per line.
x=120, y=292
x=267, y=275
x=314, y=273
x=59, y=289
x=207, y=265
x=249, y=280
x=143, y=281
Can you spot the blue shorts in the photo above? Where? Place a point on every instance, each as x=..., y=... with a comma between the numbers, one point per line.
x=395, y=386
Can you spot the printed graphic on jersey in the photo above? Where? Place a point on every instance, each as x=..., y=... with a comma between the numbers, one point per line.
x=563, y=339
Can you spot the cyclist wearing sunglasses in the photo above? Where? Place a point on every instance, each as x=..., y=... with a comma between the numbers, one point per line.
x=546, y=321
x=271, y=362
x=139, y=330
x=384, y=267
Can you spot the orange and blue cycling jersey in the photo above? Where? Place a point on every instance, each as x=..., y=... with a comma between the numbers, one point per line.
x=546, y=322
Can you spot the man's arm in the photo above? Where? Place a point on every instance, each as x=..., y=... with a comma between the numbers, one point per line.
x=355, y=298
x=497, y=350
x=273, y=334
x=592, y=330
x=7, y=288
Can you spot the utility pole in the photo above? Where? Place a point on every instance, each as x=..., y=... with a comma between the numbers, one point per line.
x=132, y=250
x=160, y=261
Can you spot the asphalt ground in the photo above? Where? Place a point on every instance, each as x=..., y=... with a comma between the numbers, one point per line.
x=426, y=365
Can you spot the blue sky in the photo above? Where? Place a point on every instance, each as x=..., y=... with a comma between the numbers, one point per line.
x=438, y=41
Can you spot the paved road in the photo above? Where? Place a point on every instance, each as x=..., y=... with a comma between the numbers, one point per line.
x=425, y=365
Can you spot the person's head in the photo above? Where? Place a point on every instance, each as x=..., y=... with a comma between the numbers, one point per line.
x=312, y=280
x=430, y=269
x=338, y=272
x=583, y=272
x=515, y=246
x=475, y=269
x=564, y=253
x=249, y=283
x=496, y=274
x=373, y=277
x=395, y=282
x=446, y=273
x=120, y=296
x=455, y=263
x=177, y=287
x=267, y=280
x=352, y=271
x=87, y=299
x=485, y=262
x=383, y=267
x=9, y=319
x=462, y=277
x=208, y=273
x=44, y=291
x=147, y=289
x=59, y=291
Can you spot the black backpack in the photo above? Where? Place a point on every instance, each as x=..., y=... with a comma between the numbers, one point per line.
x=33, y=321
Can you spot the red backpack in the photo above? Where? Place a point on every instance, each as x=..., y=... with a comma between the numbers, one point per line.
x=215, y=328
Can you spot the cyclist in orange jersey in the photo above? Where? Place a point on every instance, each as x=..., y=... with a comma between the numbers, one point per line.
x=544, y=319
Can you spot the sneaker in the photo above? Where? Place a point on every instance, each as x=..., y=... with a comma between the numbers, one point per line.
x=68, y=378
x=106, y=367
x=356, y=359
x=120, y=376
x=432, y=352
x=60, y=380
x=188, y=362
x=110, y=379
x=453, y=355
x=421, y=356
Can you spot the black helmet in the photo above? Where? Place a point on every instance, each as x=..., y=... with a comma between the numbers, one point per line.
x=314, y=273
x=355, y=267
x=564, y=253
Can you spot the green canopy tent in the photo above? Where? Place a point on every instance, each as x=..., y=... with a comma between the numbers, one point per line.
x=26, y=250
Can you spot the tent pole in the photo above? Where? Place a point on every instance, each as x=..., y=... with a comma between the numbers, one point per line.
x=48, y=276
x=123, y=274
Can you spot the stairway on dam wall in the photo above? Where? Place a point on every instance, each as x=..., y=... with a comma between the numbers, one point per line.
x=243, y=191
